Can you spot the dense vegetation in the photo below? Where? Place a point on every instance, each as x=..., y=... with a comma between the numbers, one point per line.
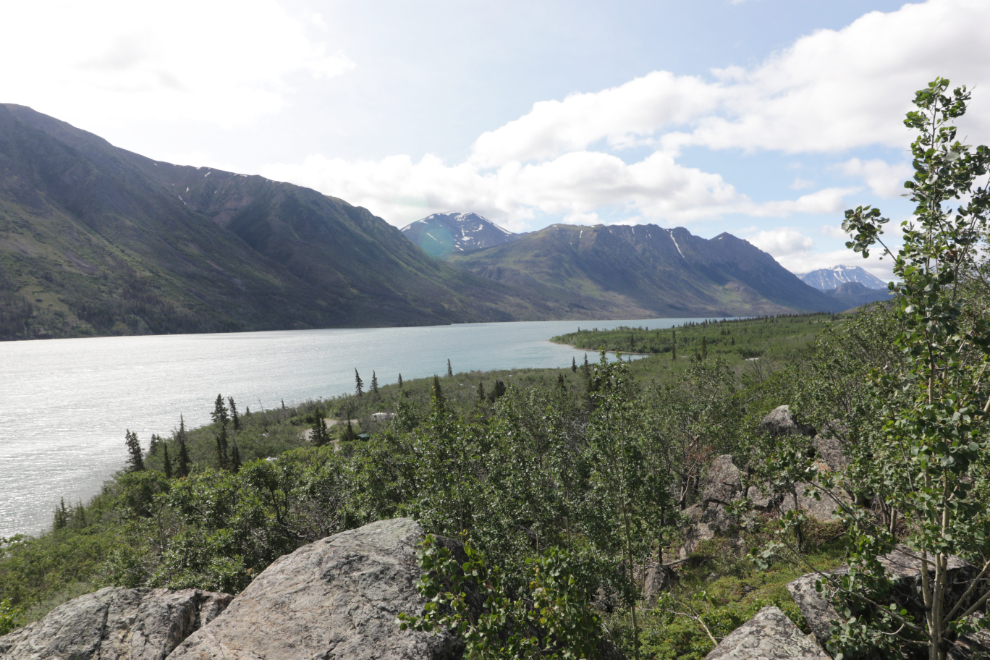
x=568, y=485
x=522, y=461
x=771, y=337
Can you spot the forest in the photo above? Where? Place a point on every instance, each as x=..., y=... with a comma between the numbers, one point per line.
x=568, y=486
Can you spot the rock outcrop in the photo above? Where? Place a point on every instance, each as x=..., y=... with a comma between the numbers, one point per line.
x=819, y=613
x=335, y=598
x=769, y=635
x=116, y=624
x=780, y=421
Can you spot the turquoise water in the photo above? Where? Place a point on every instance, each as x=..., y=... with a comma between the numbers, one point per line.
x=65, y=404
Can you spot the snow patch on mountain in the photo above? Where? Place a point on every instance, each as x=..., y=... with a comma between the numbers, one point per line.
x=825, y=279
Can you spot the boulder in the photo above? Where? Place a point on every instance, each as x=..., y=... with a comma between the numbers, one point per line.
x=336, y=598
x=819, y=613
x=780, y=421
x=722, y=483
x=830, y=454
x=824, y=510
x=116, y=623
x=769, y=635
x=659, y=578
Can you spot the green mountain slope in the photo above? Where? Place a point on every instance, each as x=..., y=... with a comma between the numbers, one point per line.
x=98, y=240
x=642, y=271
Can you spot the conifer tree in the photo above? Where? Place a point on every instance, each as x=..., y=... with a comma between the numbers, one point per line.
x=233, y=414
x=166, y=462
x=450, y=372
x=481, y=392
x=136, y=461
x=574, y=364
x=219, y=413
x=235, y=459
x=183, y=464
x=320, y=435
x=358, y=384
x=221, y=438
x=586, y=367
x=374, y=384
x=400, y=381
x=437, y=391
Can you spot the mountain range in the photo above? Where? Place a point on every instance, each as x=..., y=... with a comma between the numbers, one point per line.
x=646, y=271
x=825, y=279
x=96, y=240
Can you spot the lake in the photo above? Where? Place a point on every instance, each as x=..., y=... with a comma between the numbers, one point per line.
x=65, y=404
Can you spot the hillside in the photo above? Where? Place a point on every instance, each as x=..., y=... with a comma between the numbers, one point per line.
x=644, y=271
x=98, y=240
x=854, y=294
x=443, y=234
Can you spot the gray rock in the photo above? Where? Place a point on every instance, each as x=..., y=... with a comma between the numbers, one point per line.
x=116, y=623
x=823, y=510
x=780, y=421
x=722, y=484
x=816, y=607
x=335, y=598
x=819, y=613
x=659, y=578
x=769, y=635
x=830, y=454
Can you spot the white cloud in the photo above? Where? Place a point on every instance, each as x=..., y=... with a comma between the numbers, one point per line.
x=831, y=91
x=621, y=115
x=574, y=185
x=827, y=200
x=884, y=180
x=833, y=231
x=781, y=242
x=801, y=184
x=222, y=63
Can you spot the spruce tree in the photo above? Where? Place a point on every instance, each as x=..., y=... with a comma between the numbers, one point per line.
x=136, y=461
x=374, y=384
x=358, y=384
x=450, y=372
x=574, y=365
x=400, y=381
x=235, y=459
x=221, y=438
x=320, y=435
x=219, y=413
x=481, y=392
x=437, y=391
x=183, y=464
x=233, y=414
x=166, y=462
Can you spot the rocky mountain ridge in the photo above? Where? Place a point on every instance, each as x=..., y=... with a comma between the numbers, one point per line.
x=443, y=234
x=833, y=277
x=646, y=270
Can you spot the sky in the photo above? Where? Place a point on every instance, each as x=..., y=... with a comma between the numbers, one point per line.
x=762, y=118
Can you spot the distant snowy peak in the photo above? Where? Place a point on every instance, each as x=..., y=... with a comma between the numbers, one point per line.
x=442, y=234
x=825, y=279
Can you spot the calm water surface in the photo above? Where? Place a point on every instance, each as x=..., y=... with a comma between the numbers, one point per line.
x=65, y=404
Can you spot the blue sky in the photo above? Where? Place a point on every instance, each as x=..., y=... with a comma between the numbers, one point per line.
x=763, y=118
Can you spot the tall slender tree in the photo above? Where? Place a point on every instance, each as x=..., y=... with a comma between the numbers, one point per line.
x=374, y=384
x=166, y=462
x=358, y=384
x=450, y=371
x=183, y=463
x=235, y=420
